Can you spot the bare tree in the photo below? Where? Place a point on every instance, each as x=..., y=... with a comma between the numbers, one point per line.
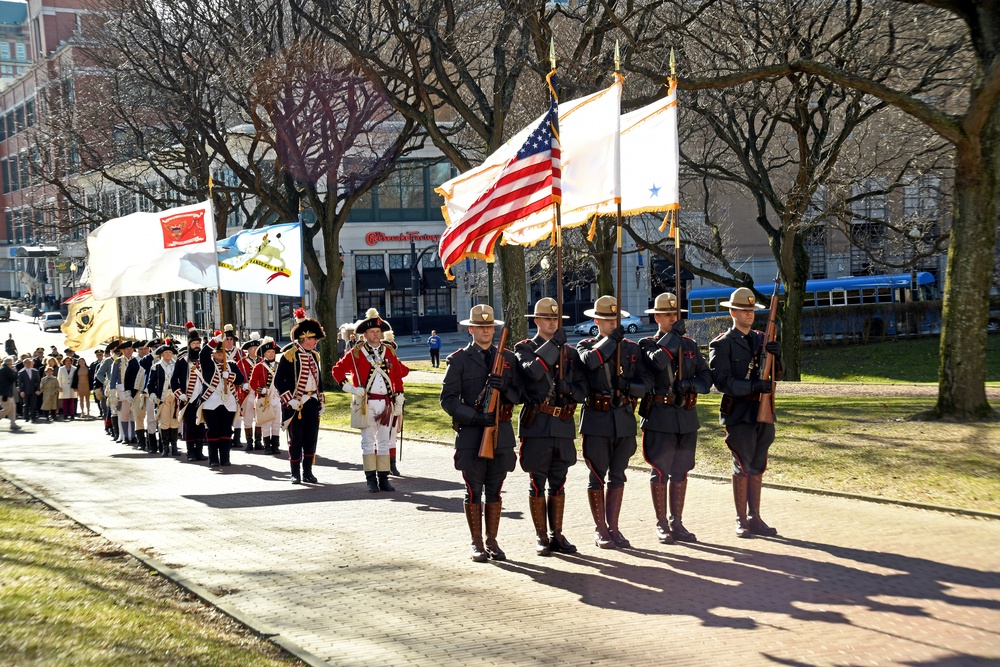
x=245, y=91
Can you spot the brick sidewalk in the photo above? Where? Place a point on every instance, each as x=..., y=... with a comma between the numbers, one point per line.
x=345, y=577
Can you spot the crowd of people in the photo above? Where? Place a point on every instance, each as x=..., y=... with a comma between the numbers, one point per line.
x=150, y=393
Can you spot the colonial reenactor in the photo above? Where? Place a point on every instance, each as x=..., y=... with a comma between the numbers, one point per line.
x=246, y=364
x=163, y=399
x=103, y=375
x=123, y=377
x=669, y=416
x=468, y=382
x=186, y=385
x=218, y=401
x=389, y=338
x=616, y=379
x=141, y=404
x=98, y=385
x=299, y=382
x=735, y=360
x=267, y=403
x=376, y=388
x=235, y=354
x=552, y=385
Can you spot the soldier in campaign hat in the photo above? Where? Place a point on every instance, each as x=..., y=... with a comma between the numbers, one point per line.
x=616, y=379
x=669, y=417
x=299, y=382
x=468, y=383
x=735, y=359
x=373, y=375
x=552, y=384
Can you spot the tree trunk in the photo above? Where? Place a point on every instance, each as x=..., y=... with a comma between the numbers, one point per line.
x=513, y=291
x=965, y=311
x=795, y=269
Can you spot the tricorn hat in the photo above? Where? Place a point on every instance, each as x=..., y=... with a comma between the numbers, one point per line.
x=306, y=327
x=254, y=341
x=664, y=303
x=372, y=320
x=267, y=343
x=742, y=299
x=547, y=308
x=192, y=332
x=168, y=345
x=481, y=315
x=605, y=308
x=124, y=345
x=112, y=346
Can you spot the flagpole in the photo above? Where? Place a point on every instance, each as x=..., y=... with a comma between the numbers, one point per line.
x=618, y=233
x=215, y=249
x=302, y=253
x=676, y=228
x=557, y=220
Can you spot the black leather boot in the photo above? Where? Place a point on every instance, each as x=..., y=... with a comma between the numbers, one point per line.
x=257, y=444
x=307, y=469
x=372, y=481
x=213, y=454
x=392, y=466
x=248, y=432
x=383, y=482
x=225, y=446
x=296, y=474
x=140, y=440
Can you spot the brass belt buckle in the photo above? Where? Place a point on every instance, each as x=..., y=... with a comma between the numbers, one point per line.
x=556, y=411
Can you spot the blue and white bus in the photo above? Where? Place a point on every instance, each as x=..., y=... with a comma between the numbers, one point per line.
x=824, y=295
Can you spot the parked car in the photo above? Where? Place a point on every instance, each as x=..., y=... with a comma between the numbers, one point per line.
x=49, y=321
x=4, y=312
x=588, y=328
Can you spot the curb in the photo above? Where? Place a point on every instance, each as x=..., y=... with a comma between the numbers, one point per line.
x=256, y=626
x=982, y=514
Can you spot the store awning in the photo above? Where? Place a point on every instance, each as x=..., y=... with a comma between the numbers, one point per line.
x=434, y=279
x=372, y=281
x=401, y=279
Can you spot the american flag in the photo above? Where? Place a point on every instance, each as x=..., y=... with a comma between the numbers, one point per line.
x=527, y=184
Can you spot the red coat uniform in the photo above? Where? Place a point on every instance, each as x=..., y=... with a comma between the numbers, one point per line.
x=355, y=364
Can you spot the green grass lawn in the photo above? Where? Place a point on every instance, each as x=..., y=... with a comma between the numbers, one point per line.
x=68, y=597
x=900, y=360
x=861, y=445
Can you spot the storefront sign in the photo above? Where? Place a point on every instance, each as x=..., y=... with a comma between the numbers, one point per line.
x=374, y=238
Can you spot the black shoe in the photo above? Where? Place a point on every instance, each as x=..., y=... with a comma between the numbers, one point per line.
x=383, y=482
x=559, y=544
x=372, y=482
x=296, y=480
x=393, y=470
x=308, y=477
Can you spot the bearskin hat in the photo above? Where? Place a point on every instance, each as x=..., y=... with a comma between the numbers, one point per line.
x=229, y=331
x=306, y=327
x=192, y=332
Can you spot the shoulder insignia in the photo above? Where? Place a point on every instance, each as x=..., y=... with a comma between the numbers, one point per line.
x=720, y=336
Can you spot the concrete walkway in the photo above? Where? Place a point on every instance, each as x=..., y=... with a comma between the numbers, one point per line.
x=344, y=577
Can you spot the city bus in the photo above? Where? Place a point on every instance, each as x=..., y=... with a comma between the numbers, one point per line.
x=824, y=296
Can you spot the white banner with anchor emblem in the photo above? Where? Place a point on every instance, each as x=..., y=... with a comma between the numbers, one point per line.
x=263, y=261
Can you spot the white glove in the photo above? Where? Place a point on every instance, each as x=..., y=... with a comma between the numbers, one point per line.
x=182, y=397
x=357, y=391
x=294, y=404
x=246, y=386
x=322, y=408
x=217, y=339
x=400, y=399
x=225, y=375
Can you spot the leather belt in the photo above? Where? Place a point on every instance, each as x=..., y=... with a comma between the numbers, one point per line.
x=564, y=412
x=506, y=411
x=599, y=402
x=666, y=399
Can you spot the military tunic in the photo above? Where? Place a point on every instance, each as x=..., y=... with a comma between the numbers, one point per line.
x=669, y=430
x=463, y=394
x=547, y=449
x=608, y=423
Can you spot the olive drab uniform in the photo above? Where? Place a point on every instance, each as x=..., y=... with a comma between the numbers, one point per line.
x=464, y=395
x=608, y=423
x=552, y=385
x=735, y=359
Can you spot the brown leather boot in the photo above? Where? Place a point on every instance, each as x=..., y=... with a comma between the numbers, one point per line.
x=614, y=508
x=659, y=492
x=537, y=507
x=677, y=492
x=601, y=536
x=740, y=483
x=757, y=525
x=492, y=512
x=557, y=542
x=474, y=515
x=248, y=432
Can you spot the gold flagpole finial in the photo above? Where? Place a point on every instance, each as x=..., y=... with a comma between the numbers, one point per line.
x=618, y=57
x=552, y=52
x=673, y=63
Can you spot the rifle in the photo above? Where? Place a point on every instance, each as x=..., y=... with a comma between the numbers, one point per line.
x=765, y=411
x=489, y=442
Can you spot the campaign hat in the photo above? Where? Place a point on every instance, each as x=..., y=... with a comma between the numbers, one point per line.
x=605, y=308
x=481, y=315
x=742, y=299
x=547, y=308
x=664, y=303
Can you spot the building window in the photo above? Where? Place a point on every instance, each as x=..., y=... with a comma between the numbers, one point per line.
x=5, y=50
x=815, y=247
x=406, y=194
x=29, y=112
x=368, y=300
x=15, y=184
x=437, y=302
x=5, y=168
x=20, y=51
x=399, y=261
x=9, y=120
x=402, y=304
x=19, y=118
x=921, y=197
x=369, y=262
